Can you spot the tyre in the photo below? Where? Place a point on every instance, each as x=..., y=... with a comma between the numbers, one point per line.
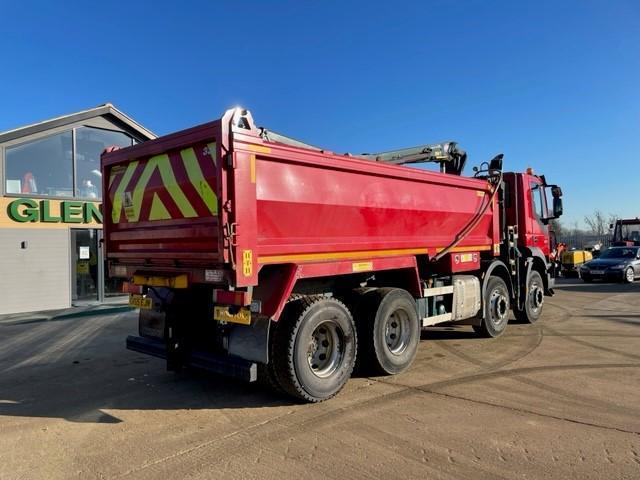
x=388, y=331
x=267, y=376
x=534, y=300
x=629, y=275
x=314, y=348
x=495, y=309
x=266, y=373
x=267, y=380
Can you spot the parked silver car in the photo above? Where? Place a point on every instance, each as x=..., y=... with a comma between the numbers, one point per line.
x=614, y=263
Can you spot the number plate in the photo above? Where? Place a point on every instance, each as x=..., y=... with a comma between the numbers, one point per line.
x=222, y=314
x=597, y=272
x=139, y=301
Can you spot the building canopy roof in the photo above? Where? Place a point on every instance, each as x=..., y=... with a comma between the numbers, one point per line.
x=106, y=110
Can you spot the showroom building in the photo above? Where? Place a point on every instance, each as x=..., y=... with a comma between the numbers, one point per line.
x=50, y=209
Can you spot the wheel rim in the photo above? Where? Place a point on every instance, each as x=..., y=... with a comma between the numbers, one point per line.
x=397, y=331
x=326, y=349
x=630, y=275
x=536, y=297
x=499, y=307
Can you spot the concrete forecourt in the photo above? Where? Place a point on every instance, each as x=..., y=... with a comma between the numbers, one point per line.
x=557, y=399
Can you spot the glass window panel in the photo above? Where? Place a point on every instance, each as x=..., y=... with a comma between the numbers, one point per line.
x=84, y=258
x=90, y=143
x=631, y=232
x=41, y=167
x=536, y=192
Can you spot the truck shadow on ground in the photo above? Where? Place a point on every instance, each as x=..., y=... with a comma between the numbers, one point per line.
x=79, y=370
x=81, y=400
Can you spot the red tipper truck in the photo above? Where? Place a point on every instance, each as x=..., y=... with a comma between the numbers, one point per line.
x=255, y=255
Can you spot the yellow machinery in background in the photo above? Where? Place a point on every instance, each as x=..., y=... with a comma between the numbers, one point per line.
x=571, y=261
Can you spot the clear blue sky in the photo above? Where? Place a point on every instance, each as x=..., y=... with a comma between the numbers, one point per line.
x=554, y=85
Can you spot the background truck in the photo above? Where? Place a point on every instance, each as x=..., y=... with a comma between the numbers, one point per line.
x=626, y=232
x=254, y=255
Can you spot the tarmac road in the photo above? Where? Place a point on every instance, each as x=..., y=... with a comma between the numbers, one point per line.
x=558, y=399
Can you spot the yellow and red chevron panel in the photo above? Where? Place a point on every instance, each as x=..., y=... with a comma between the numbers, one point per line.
x=179, y=184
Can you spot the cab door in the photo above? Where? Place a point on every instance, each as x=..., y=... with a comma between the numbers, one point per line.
x=537, y=234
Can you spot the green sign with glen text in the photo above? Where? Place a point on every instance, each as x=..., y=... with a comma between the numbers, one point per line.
x=53, y=211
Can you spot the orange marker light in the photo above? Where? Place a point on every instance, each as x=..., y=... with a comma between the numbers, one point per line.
x=529, y=171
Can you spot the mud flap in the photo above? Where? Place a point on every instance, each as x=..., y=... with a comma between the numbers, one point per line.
x=175, y=344
x=251, y=342
x=551, y=282
x=161, y=323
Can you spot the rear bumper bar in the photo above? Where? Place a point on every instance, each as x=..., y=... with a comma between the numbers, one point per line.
x=222, y=365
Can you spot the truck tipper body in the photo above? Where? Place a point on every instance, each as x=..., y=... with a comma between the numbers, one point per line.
x=254, y=255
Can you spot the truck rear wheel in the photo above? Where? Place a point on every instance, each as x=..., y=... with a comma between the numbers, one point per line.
x=388, y=331
x=534, y=300
x=314, y=348
x=495, y=309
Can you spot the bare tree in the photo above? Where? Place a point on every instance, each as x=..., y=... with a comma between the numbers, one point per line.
x=575, y=229
x=597, y=223
x=557, y=227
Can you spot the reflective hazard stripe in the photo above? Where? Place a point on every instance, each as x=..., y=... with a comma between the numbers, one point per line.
x=158, y=210
x=117, y=197
x=172, y=185
x=194, y=172
x=160, y=162
x=212, y=152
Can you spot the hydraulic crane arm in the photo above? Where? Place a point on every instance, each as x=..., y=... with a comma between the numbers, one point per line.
x=451, y=158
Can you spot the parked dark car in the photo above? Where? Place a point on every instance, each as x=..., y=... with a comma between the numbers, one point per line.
x=615, y=263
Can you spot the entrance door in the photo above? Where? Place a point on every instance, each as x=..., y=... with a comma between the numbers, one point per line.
x=84, y=265
x=112, y=286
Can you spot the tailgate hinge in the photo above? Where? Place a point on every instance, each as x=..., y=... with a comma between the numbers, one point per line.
x=230, y=232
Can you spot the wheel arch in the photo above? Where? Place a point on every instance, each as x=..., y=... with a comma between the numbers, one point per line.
x=540, y=264
x=276, y=283
x=496, y=268
x=499, y=269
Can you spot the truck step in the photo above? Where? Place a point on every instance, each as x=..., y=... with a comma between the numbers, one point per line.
x=222, y=365
x=436, y=319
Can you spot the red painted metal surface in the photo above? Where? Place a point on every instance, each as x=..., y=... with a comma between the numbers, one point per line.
x=314, y=203
x=192, y=235
x=279, y=204
x=533, y=233
x=459, y=262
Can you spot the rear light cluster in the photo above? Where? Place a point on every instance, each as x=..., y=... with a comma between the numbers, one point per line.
x=128, y=287
x=224, y=297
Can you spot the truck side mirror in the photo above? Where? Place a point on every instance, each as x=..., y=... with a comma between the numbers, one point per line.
x=496, y=162
x=611, y=226
x=557, y=207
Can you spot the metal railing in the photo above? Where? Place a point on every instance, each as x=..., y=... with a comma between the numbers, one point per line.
x=582, y=240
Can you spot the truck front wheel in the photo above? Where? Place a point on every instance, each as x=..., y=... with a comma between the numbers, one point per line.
x=388, y=331
x=314, y=348
x=534, y=299
x=495, y=308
